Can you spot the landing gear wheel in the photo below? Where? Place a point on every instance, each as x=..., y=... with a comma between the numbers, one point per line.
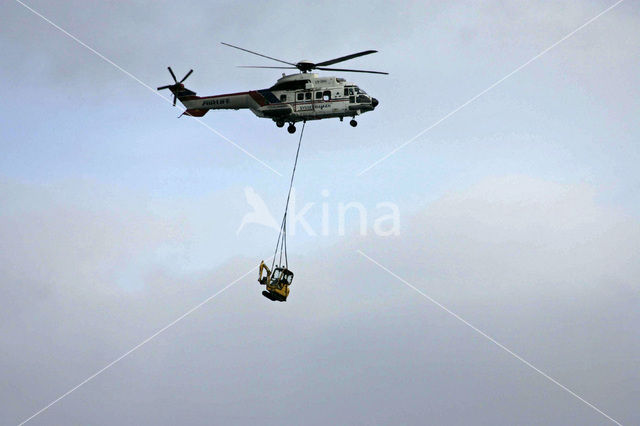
x=291, y=129
x=280, y=123
x=353, y=123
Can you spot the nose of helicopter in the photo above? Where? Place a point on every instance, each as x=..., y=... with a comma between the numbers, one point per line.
x=374, y=102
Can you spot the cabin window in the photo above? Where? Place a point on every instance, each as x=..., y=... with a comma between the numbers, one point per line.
x=300, y=96
x=307, y=96
x=318, y=95
x=283, y=98
x=326, y=95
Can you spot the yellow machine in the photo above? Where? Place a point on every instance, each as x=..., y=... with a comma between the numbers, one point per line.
x=277, y=282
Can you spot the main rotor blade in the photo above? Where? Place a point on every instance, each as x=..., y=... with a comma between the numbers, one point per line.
x=348, y=70
x=185, y=77
x=345, y=58
x=172, y=74
x=174, y=99
x=255, y=66
x=165, y=87
x=255, y=53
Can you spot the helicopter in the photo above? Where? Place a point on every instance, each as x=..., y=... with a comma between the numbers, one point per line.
x=293, y=98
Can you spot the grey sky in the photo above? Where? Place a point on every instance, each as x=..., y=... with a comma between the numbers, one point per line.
x=521, y=213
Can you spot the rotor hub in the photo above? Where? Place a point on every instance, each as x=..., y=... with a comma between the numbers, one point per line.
x=305, y=66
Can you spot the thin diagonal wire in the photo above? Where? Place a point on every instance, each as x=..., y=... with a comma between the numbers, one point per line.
x=135, y=348
x=486, y=336
x=445, y=117
x=155, y=92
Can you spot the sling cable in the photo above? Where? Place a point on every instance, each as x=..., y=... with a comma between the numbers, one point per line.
x=278, y=278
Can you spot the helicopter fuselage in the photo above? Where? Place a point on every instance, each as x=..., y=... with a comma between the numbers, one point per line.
x=294, y=98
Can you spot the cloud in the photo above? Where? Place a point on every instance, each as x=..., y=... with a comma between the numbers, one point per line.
x=547, y=267
x=557, y=233
x=542, y=266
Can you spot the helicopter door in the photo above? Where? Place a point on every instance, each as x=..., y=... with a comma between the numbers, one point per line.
x=348, y=91
x=317, y=101
x=322, y=102
x=308, y=98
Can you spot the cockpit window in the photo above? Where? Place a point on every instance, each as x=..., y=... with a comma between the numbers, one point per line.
x=360, y=91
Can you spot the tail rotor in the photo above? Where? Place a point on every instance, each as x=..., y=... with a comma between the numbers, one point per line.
x=177, y=86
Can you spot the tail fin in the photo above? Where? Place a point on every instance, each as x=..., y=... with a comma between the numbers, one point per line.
x=183, y=94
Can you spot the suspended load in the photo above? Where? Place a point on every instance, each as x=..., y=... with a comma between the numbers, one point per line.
x=277, y=282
